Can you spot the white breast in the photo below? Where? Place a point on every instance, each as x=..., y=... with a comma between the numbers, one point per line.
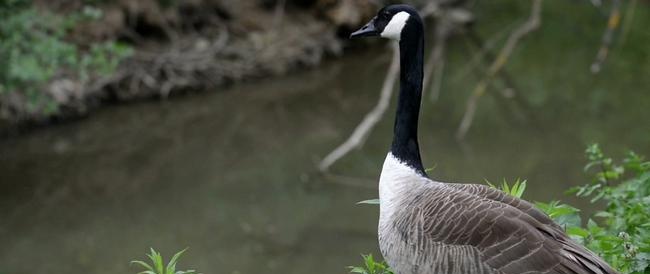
x=396, y=180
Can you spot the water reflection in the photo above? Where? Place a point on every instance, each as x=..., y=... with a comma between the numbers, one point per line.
x=231, y=174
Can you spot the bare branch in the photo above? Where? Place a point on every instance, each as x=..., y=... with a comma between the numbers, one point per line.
x=361, y=132
x=483, y=53
x=613, y=23
x=533, y=22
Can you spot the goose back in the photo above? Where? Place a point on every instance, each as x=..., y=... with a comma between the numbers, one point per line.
x=432, y=227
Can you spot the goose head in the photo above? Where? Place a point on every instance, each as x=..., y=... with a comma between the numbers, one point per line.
x=392, y=22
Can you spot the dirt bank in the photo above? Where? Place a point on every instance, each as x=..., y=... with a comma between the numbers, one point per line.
x=187, y=46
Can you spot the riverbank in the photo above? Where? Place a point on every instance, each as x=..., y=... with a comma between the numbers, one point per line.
x=177, y=47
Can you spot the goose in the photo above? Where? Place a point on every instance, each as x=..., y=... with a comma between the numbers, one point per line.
x=426, y=226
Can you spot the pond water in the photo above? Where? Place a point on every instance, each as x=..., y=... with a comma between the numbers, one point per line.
x=231, y=174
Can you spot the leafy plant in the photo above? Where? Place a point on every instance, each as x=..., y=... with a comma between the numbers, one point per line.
x=370, y=266
x=158, y=266
x=517, y=189
x=623, y=236
x=34, y=50
x=563, y=214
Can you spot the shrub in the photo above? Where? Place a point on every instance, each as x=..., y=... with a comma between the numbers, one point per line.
x=370, y=266
x=33, y=50
x=622, y=235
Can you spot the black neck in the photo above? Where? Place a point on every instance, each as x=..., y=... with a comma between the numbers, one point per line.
x=405, y=140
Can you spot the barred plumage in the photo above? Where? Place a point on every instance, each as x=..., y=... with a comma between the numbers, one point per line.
x=432, y=227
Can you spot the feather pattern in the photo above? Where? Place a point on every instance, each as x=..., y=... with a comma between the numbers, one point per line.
x=432, y=227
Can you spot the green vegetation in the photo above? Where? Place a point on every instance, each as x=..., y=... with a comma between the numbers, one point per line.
x=517, y=189
x=34, y=50
x=158, y=266
x=621, y=234
x=370, y=266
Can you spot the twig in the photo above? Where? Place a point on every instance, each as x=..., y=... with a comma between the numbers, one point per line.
x=531, y=24
x=612, y=24
x=479, y=71
x=361, y=132
x=510, y=91
x=484, y=49
x=487, y=55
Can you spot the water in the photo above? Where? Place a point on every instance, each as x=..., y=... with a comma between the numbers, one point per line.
x=231, y=174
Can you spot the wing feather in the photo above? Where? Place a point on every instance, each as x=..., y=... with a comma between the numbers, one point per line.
x=511, y=235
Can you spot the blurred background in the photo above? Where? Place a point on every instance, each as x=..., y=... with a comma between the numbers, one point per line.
x=202, y=123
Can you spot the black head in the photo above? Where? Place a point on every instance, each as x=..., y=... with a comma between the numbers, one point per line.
x=390, y=22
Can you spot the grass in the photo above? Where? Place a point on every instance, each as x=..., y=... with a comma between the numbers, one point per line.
x=158, y=265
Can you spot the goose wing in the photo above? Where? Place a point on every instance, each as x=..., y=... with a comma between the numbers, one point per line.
x=508, y=238
x=496, y=195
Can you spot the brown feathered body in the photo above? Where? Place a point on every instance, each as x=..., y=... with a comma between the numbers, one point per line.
x=432, y=227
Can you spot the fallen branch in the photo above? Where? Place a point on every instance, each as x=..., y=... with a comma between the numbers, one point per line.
x=510, y=90
x=484, y=48
x=613, y=23
x=533, y=22
x=361, y=132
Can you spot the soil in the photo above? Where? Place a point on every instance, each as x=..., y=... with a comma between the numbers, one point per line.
x=192, y=45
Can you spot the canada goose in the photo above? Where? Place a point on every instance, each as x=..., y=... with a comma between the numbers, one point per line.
x=427, y=226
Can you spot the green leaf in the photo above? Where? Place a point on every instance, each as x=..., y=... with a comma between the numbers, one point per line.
x=369, y=202
x=577, y=231
x=174, y=259
x=143, y=264
x=158, y=265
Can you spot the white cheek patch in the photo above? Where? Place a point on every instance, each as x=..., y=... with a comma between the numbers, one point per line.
x=394, y=28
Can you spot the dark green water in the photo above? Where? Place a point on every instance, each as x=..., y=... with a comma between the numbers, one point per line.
x=231, y=174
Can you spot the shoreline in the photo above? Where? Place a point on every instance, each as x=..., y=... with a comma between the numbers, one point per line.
x=185, y=49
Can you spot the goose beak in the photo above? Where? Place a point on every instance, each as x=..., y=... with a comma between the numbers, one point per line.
x=367, y=30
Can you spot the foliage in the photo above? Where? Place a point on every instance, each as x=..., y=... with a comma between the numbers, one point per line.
x=370, y=266
x=563, y=214
x=516, y=190
x=33, y=50
x=623, y=236
x=158, y=266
